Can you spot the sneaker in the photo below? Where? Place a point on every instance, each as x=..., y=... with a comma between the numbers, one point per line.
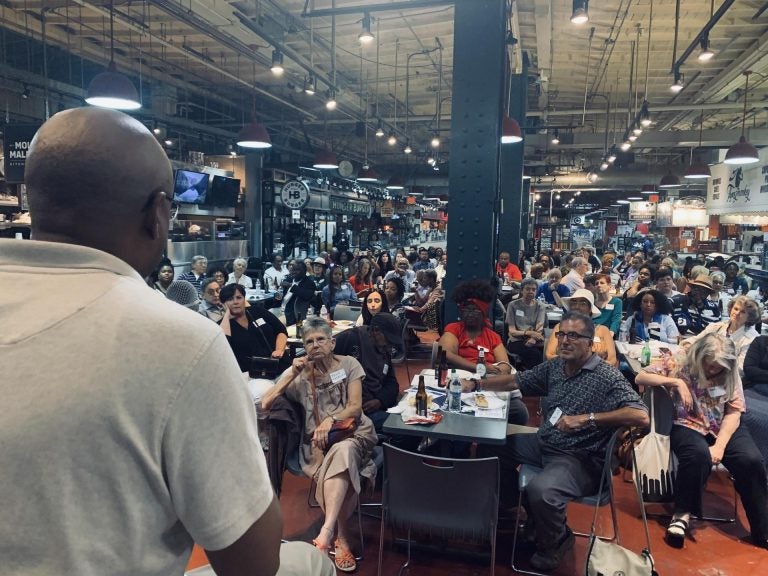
x=550, y=558
x=676, y=531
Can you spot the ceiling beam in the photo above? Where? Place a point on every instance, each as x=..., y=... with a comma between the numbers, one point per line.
x=361, y=9
x=543, y=15
x=654, y=139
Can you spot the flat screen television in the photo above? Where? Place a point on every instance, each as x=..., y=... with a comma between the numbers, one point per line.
x=191, y=187
x=223, y=192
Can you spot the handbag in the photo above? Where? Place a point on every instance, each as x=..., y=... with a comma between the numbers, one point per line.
x=655, y=461
x=262, y=367
x=340, y=429
x=612, y=559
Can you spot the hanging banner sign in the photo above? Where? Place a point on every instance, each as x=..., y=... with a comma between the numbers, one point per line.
x=16, y=140
x=737, y=189
x=387, y=209
x=348, y=206
x=642, y=210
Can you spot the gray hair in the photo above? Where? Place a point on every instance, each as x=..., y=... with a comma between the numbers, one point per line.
x=554, y=274
x=578, y=261
x=317, y=324
x=207, y=282
x=748, y=304
x=198, y=258
x=242, y=261
x=529, y=282
x=717, y=274
x=589, y=325
x=697, y=271
x=716, y=349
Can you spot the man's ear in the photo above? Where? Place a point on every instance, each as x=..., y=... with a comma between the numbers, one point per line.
x=156, y=216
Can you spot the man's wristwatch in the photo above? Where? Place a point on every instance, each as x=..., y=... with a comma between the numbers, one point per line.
x=592, y=421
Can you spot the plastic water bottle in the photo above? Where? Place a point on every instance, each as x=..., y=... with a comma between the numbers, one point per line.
x=323, y=311
x=257, y=285
x=454, y=389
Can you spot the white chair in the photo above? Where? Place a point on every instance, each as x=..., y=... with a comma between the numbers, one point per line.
x=347, y=312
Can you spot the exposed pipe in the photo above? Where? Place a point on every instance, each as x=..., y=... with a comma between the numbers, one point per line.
x=629, y=91
x=677, y=30
x=702, y=33
x=405, y=5
x=586, y=77
x=648, y=50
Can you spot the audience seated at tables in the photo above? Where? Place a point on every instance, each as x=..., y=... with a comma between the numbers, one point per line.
x=525, y=321
x=507, y=270
x=394, y=290
x=211, y=306
x=631, y=271
x=329, y=388
x=743, y=314
x=709, y=401
x=197, y=274
x=582, y=302
x=462, y=340
x=402, y=270
x=651, y=320
x=610, y=306
x=587, y=400
x=374, y=345
x=251, y=330
x=298, y=293
x=374, y=302
x=238, y=276
x=162, y=277
x=734, y=283
x=337, y=290
x=574, y=279
x=365, y=277
x=274, y=276
x=184, y=293
x=551, y=287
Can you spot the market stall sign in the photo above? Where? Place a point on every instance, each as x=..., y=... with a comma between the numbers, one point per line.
x=739, y=188
x=351, y=207
x=295, y=194
x=387, y=209
x=435, y=215
x=16, y=140
x=642, y=210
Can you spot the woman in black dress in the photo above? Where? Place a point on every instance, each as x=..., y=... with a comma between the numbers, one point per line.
x=251, y=331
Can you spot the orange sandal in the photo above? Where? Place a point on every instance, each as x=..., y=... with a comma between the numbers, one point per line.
x=322, y=547
x=344, y=559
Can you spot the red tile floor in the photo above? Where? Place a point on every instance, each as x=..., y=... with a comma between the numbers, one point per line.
x=712, y=550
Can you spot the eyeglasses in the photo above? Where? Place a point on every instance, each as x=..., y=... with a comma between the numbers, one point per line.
x=571, y=336
x=316, y=341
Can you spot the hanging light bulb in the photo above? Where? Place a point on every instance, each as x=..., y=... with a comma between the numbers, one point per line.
x=330, y=104
x=645, y=115
x=679, y=82
x=407, y=149
x=277, y=63
x=510, y=130
x=555, y=138
x=431, y=161
x=592, y=177
x=632, y=137
x=254, y=135
x=742, y=152
x=435, y=143
x=604, y=165
x=392, y=140
x=366, y=37
x=637, y=129
x=705, y=54
x=580, y=13
x=626, y=145
x=612, y=155
x=310, y=84
x=379, y=130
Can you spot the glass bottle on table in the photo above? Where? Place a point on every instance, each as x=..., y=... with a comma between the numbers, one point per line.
x=481, y=369
x=422, y=400
x=645, y=355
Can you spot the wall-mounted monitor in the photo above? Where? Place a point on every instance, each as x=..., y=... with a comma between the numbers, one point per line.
x=191, y=187
x=223, y=192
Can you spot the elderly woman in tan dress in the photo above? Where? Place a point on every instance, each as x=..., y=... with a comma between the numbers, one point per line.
x=329, y=387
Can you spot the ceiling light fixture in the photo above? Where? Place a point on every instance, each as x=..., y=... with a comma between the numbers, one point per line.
x=580, y=13
x=510, y=130
x=331, y=104
x=645, y=115
x=634, y=198
x=632, y=137
x=679, y=82
x=310, y=84
x=706, y=53
x=431, y=161
x=604, y=165
x=622, y=201
x=325, y=160
x=435, y=143
x=592, y=177
x=698, y=170
x=669, y=181
x=626, y=145
x=277, y=62
x=637, y=129
x=611, y=155
x=392, y=140
x=407, y=149
x=379, y=130
x=25, y=93
x=366, y=37
x=555, y=137
x=254, y=135
x=111, y=89
x=395, y=183
x=742, y=152
x=367, y=174
x=648, y=189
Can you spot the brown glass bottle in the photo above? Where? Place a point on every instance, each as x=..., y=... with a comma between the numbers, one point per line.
x=422, y=401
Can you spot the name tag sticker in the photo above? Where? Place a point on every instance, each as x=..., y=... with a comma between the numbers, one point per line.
x=716, y=391
x=555, y=416
x=609, y=306
x=338, y=375
x=519, y=313
x=597, y=339
x=386, y=369
x=259, y=322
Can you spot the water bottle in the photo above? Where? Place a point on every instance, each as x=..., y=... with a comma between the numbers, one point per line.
x=645, y=355
x=454, y=389
x=323, y=311
x=257, y=285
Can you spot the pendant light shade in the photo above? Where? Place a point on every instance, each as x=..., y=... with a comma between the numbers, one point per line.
x=648, y=189
x=580, y=13
x=698, y=171
x=741, y=153
x=111, y=89
x=669, y=181
x=325, y=160
x=395, y=183
x=254, y=135
x=367, y=174
x=510, y=130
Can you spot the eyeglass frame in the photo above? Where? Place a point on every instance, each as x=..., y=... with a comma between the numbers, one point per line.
x=572, y=336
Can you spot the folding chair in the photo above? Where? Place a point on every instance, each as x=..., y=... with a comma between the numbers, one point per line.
x=465, y=507
x=347, y=312
x=527, y=472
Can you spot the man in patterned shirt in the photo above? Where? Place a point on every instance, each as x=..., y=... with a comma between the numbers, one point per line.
x=587, y=399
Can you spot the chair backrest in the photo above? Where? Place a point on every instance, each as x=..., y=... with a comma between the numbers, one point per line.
x=279, y=313
x=444, y=497
x=347, y=312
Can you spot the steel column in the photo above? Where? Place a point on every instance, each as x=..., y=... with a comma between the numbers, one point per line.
x=254, y=162
x=476, y=108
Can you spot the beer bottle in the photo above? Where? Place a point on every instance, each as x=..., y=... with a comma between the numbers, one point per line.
x=299, y=328
x=438, y=376
x=421, y=398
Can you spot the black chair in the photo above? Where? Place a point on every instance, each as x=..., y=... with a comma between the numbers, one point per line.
x=447, y=498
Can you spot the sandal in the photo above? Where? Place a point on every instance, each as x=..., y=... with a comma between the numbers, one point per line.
x=676, y=532
x=344, y=559
x=322, y=547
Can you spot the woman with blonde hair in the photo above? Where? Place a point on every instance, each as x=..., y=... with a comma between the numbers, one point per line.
x=237, y=276
x=707, y=393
